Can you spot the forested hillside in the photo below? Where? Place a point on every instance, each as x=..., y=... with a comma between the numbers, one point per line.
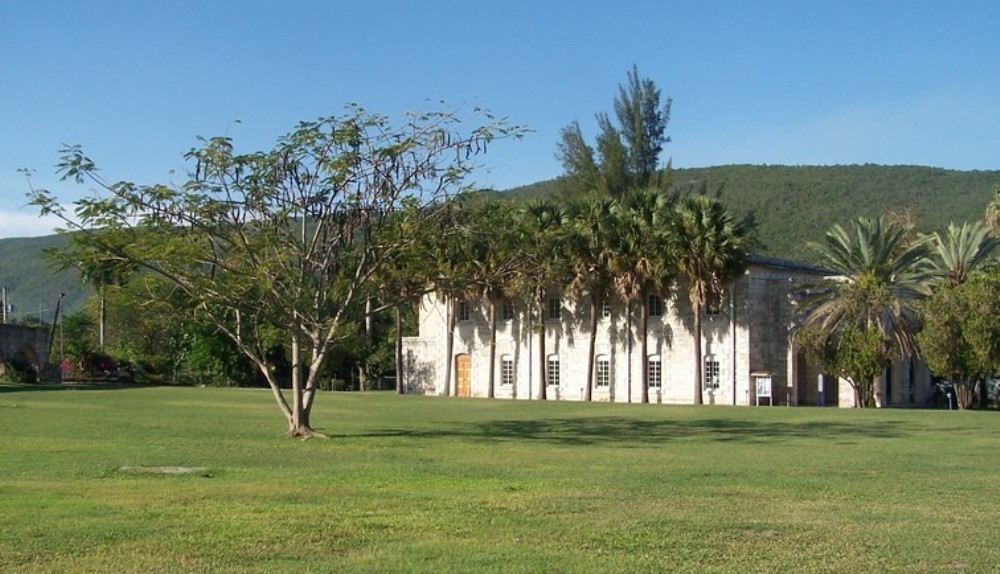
x=797, y=204
x=32, y=284
x=793, y=206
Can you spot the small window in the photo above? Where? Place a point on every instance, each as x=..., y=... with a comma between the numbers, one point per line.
x=555, y=308
x=506, y=370
x=602, y=378
x=605, y=308
x=463, y=311
x=655, y=305
x=712, y=377
x=553, y=371
x=654, y=374
x=507, y=310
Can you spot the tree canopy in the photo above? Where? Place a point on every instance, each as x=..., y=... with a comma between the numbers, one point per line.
x=285, y=242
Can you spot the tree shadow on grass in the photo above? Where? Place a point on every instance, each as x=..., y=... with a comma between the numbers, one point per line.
x=627, y=432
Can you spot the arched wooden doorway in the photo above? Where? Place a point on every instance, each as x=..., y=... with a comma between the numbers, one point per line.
x=463, y=375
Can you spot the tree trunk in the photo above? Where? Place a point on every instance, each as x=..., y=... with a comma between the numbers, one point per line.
x=400, y=388
x=699, y=366
x=493, y=347
x=102, y=320
x=589, y=392
x=298, y=424
x=644, y=343
x=542, y=359
x=450, y=345
x=965, y=394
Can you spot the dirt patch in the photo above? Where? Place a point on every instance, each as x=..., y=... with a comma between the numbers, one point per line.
x=202, y=470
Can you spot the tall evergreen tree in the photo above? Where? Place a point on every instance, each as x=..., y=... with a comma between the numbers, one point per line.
x=626, y=153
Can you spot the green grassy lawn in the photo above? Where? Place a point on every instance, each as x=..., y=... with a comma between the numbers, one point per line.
x=427, y=484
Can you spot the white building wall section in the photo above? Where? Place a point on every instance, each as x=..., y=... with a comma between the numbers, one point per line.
x=753, y=331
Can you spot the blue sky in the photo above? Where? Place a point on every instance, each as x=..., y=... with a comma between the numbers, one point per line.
x=775, y=82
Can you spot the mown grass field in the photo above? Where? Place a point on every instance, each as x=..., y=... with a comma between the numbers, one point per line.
x=426, y=484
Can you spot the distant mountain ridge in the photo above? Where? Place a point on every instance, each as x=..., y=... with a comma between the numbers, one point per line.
x=793, y=205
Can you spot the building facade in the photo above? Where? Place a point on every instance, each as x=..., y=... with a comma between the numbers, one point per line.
x=749, y=355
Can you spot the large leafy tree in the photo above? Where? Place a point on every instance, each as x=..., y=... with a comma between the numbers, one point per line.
x=284, y=239
x=710, y=246
x=953, y=339
x=626, y=152
x=960, y=339
x=876, y=285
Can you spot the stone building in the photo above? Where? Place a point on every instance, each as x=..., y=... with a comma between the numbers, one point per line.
x=748, y=349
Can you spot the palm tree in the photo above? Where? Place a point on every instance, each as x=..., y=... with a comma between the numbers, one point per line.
x=589, y=245
x=993, y=212
x=491, y=246
x=710, y=245
x=876, y=285
x=962, y=250
x=542, y=264
x=953, y=258
x=642, y=262
x=447, y=268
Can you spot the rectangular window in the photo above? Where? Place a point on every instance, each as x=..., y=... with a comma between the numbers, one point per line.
x=605, y=308
x=713, y=303
x=507, y=310
x=712, y=377
x=553, y=371
x=463, y=311
x=654, y=374
x=555, y=308
x=602, y=376
x=655, y=305
x=506, y=371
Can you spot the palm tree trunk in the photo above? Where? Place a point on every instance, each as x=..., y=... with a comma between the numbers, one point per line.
x=699, y=367
x=450, y=345
x=542, y=382
x=644, y=343
x=493, y=347
x=588, y=394
x=399, y=350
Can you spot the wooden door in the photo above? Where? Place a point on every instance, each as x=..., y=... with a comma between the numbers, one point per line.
x=463, y=375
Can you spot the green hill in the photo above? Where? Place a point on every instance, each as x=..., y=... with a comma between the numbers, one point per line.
x=33, y=287
x=795, y=205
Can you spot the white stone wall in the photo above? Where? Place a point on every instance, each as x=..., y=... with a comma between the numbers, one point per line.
x=753, y=332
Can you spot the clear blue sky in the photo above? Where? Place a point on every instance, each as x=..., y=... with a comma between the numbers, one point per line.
x=776, y=82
